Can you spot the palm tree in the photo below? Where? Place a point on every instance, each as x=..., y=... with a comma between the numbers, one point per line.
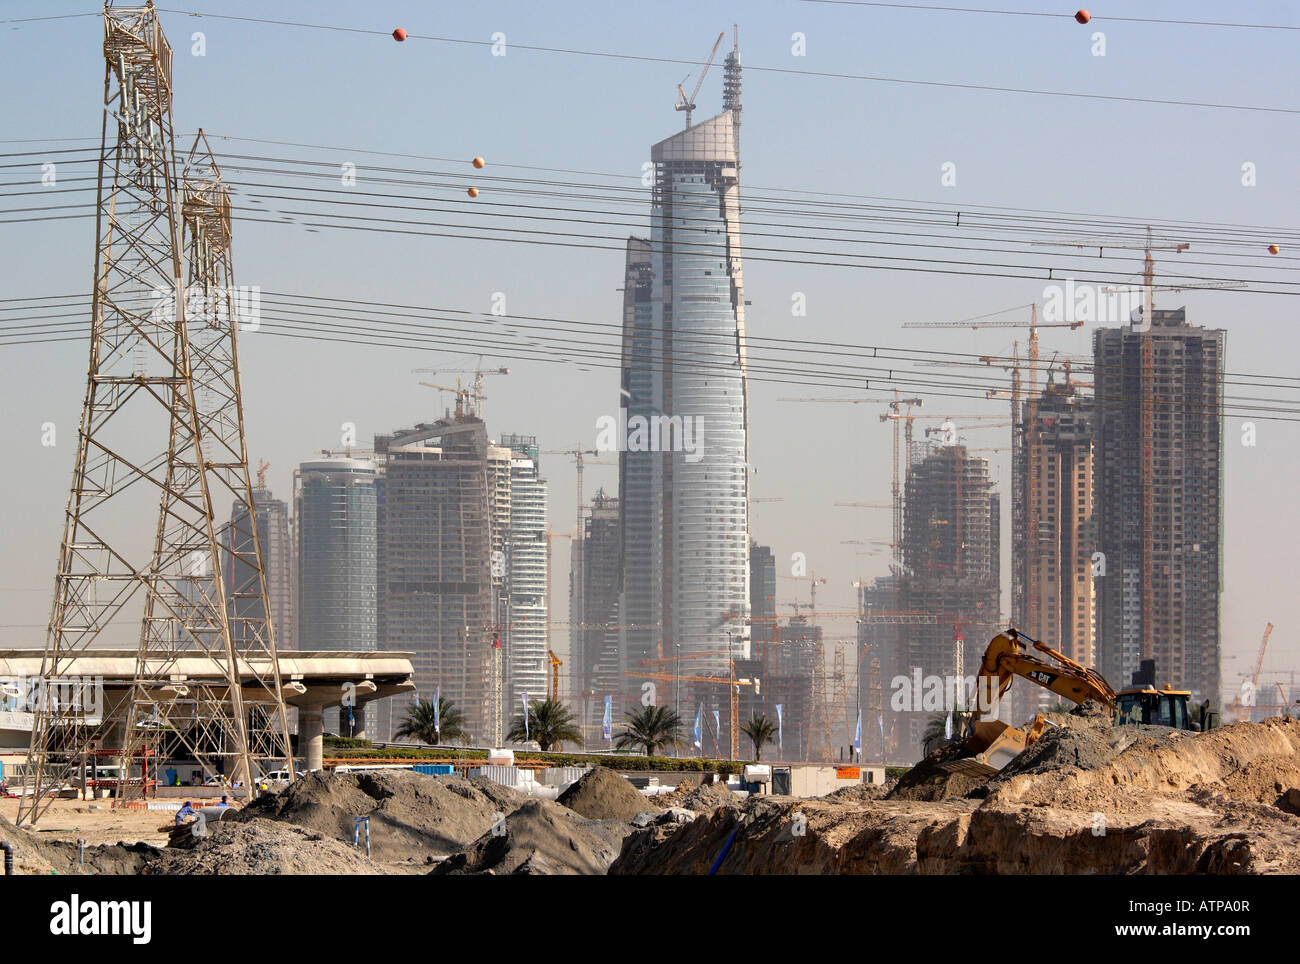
x=420, y=726
x=760, y=730
x=550, y=723
x=935, y=727
x=651, y=728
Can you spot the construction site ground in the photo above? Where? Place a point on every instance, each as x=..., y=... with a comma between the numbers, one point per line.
x=1087, y=798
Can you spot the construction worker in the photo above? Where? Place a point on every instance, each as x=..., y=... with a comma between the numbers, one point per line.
x=186, y=810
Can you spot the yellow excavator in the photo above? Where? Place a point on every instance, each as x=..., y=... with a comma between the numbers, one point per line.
x=992, y=744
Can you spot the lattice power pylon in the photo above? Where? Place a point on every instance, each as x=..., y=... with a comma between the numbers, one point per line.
x=148, y=449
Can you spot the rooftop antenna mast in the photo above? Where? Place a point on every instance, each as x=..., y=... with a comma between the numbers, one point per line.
x=731, y=83
x=688, y=103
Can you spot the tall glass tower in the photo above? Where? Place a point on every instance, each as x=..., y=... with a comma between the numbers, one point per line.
x=685, y=408
x=334, y=506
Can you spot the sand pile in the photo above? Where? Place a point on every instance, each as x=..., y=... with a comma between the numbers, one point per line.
x=859, y=792
x=709, y=797
x=541, y=837
x=603, y=794
x=258, y=847
x=928, y=780
x=413, y=817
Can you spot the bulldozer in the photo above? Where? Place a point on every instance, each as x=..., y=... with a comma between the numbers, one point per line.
x=992, y=744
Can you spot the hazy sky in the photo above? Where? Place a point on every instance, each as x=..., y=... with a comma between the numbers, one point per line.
x=360, y=92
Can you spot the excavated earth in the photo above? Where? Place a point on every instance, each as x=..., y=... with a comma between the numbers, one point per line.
x=415, y=820
x=1087, y=798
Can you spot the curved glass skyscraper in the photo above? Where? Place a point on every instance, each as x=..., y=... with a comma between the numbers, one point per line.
x=684, y=470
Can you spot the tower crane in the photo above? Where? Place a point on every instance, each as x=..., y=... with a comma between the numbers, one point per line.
x=900, y=410
x=1243, y=709
x=476, y=393
x=462, y=396
x=578, y=545
x=687, y=104
x=556, y=663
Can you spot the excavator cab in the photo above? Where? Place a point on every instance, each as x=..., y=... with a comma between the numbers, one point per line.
x=1154, y=707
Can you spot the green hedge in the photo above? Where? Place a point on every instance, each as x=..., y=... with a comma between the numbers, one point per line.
x=344, y=743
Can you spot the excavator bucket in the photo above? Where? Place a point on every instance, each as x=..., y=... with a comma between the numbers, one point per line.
x=992, y=746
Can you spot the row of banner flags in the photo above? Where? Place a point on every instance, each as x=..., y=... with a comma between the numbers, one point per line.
x=606, y=724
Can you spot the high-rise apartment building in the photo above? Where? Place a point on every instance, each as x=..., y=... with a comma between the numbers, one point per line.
x=527, y=664
x=1159, y=501
x=335, y=532
x=1053, y=550
x=334, y=514
x=271, y=517
x=436, y=592
x=593, y=612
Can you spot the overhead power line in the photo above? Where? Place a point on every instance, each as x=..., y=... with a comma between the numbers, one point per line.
x=754, y=68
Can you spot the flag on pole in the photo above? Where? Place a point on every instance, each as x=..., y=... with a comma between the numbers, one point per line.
x=605, y=731
x=947, y=726
x=699, y=715
x=437, y=711
x=780, y=724
x=880, y=720
x=717, y=728
x=857, y=737
x=523, y=698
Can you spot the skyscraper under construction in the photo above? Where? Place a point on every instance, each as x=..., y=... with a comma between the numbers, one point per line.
x=1160, y=500
x=683, y=420
x=951, y=549
x=1053, y=596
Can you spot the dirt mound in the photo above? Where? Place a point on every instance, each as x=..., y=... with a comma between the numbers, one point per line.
x=858, y=792
x=603, y=794
x=32, y=855
x=1092, y=801
x=1086, y=741
x=783, y=836
x=675, y=797
x=1271, y=780
x=544, y=838
x=709, y=797
x=258, y=847
x=412, y=816
x=1174, y=761
x=929, y=781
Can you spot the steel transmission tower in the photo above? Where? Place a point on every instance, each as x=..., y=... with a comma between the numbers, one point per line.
x=147, y=449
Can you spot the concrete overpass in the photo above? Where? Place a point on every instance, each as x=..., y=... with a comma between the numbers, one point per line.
x=312, y=681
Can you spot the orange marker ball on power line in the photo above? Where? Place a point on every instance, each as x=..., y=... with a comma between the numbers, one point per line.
x=1083, y=16
x=399, y=35
x=479, y=162
x=1273, y=249
x=472, y=192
